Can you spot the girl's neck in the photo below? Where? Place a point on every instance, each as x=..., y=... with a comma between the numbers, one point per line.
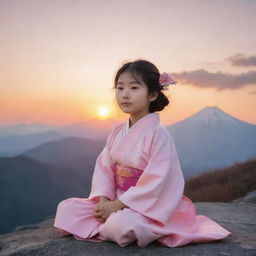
x=134, y=118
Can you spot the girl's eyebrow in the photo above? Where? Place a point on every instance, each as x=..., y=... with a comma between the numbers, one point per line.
x=132, y=82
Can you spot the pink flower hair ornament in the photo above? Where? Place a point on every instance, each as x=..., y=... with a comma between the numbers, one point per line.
x=165, y=80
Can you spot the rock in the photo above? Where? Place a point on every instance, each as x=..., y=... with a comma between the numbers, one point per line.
x=249, y=197
x=43, y=238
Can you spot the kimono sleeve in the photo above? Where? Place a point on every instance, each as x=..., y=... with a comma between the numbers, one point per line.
x=103, y=183
x=160, y=188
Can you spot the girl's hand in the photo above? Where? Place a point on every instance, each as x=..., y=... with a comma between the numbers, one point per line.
x=104, y=199
x=98, y=217
x=103, y=210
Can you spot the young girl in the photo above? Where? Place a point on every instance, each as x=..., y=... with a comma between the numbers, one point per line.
x=137, y=185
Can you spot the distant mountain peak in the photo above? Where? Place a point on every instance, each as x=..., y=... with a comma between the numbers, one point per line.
x=213, y=115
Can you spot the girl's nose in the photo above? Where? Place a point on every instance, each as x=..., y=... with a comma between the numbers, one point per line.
x=126, y=94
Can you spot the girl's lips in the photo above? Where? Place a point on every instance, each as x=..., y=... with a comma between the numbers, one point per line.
x=126, y=103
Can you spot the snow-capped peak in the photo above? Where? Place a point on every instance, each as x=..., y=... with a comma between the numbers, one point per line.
x=213, y=115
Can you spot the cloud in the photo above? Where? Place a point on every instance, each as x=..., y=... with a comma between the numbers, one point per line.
x=241, y=60
x=221, y=81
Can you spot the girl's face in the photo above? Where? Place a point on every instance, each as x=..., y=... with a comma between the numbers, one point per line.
x=134, y=92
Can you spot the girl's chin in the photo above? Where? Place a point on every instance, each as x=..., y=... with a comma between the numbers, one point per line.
x=126, y=110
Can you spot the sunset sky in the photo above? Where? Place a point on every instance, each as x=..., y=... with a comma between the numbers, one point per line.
x=58, y=58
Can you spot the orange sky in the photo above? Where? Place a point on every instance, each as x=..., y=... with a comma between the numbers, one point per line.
x=59, y=58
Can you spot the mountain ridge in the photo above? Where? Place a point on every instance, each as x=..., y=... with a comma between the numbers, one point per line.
x=203, y=145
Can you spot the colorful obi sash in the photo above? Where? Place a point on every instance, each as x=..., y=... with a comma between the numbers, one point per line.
x=126, y=176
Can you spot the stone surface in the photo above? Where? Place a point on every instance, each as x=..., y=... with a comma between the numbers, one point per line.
x=43, y=238
x=250, y=198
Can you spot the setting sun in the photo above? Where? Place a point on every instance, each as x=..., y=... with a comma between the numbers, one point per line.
x=103, y=112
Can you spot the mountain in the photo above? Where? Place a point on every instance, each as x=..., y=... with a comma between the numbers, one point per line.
x=30, y=191
x=17, y=144
x=21, y=141
x=62, y=152
x=25, y=129
x=92, y=129
x=211, y=139
x=224, y=184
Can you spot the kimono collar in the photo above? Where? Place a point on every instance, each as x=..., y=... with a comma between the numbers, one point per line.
x=144, y=121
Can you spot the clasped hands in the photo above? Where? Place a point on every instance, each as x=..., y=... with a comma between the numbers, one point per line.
x=105, y=207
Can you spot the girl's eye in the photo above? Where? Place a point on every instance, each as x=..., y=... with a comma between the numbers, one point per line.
x=121, y=88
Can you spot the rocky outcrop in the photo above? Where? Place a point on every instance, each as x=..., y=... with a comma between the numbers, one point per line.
x=43, y=239
x=249, y=197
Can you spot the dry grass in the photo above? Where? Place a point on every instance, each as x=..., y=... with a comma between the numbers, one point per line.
x=223, y=185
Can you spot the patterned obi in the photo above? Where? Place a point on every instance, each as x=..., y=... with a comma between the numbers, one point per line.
x=126, y=176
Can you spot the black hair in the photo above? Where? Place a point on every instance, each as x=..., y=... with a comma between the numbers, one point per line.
x=149, y=74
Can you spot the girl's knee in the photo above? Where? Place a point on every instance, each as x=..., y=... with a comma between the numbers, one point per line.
x=65, y=201
x=76, y=200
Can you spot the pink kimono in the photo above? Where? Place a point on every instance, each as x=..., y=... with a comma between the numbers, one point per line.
x=140, y=167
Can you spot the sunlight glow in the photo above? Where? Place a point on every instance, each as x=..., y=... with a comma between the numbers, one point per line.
x=103, y=112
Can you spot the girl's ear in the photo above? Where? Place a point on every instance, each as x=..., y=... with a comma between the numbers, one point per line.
x=153, y=96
